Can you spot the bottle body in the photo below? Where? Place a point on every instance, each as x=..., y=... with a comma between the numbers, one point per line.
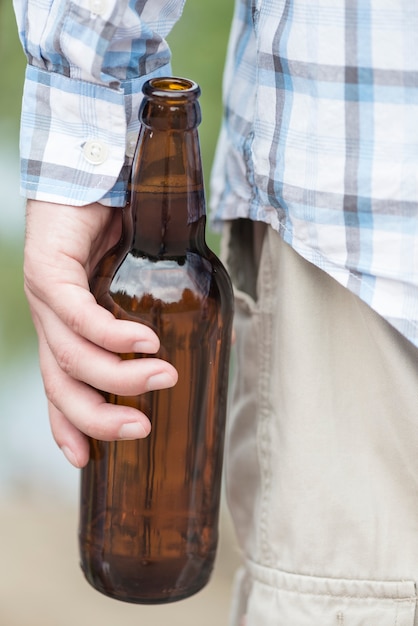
x=149, y=508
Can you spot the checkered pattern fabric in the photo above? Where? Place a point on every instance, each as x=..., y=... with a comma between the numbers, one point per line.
x=87, y=61
x=319, y=139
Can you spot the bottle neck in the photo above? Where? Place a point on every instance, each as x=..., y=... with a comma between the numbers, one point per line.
x=167, y=193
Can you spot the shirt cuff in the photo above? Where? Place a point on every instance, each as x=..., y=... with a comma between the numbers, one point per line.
x=77, y=138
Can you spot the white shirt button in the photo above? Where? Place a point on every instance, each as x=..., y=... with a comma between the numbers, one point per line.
x=95, y=151
x=131, y=140
x=98, y=7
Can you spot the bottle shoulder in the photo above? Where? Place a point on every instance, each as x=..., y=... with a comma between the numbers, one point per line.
x=192, y=276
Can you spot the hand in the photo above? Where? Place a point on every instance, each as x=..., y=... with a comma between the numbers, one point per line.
x=78, y=339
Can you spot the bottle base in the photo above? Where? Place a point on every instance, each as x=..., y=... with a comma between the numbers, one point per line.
x=150, y=583
x=166, y=599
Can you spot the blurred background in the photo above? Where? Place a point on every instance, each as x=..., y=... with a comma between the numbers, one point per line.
x=40, y=580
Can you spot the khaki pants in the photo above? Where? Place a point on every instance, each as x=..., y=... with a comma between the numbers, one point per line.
x=322, y=449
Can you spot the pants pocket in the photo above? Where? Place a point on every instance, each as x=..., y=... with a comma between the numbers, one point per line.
x=242, y=244
x=279, y=598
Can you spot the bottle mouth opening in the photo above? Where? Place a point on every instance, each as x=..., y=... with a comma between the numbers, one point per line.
x=172, y=87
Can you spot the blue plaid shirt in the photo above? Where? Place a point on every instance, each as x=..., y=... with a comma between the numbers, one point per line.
x=320, y=134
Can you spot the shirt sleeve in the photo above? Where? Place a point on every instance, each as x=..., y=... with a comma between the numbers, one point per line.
x=87, y=62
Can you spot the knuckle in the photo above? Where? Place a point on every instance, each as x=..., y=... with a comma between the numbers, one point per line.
x=29, y=286
x=67, y=359
x=73, y=319
x=52, y=390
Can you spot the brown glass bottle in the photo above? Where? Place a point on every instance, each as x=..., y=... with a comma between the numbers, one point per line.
x=149, y=508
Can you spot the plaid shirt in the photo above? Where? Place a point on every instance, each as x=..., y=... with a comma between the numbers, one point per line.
x=320, y=135
x=88, y=60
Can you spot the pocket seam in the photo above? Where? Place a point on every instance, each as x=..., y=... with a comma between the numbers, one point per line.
x=397, y=591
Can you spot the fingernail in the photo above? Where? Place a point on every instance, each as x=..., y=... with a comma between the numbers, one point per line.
x=149, y=347
x=70, y=456
x=160, y=381
x=133, y=430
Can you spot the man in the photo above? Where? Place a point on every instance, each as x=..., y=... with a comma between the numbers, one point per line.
x=316, y=183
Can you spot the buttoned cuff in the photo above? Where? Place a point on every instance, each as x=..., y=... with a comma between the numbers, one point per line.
x=77, y=138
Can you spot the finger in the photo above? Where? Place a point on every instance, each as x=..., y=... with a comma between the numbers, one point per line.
x=78, y=310
x=85, y=408
x=101, y=369
x=73, y=443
